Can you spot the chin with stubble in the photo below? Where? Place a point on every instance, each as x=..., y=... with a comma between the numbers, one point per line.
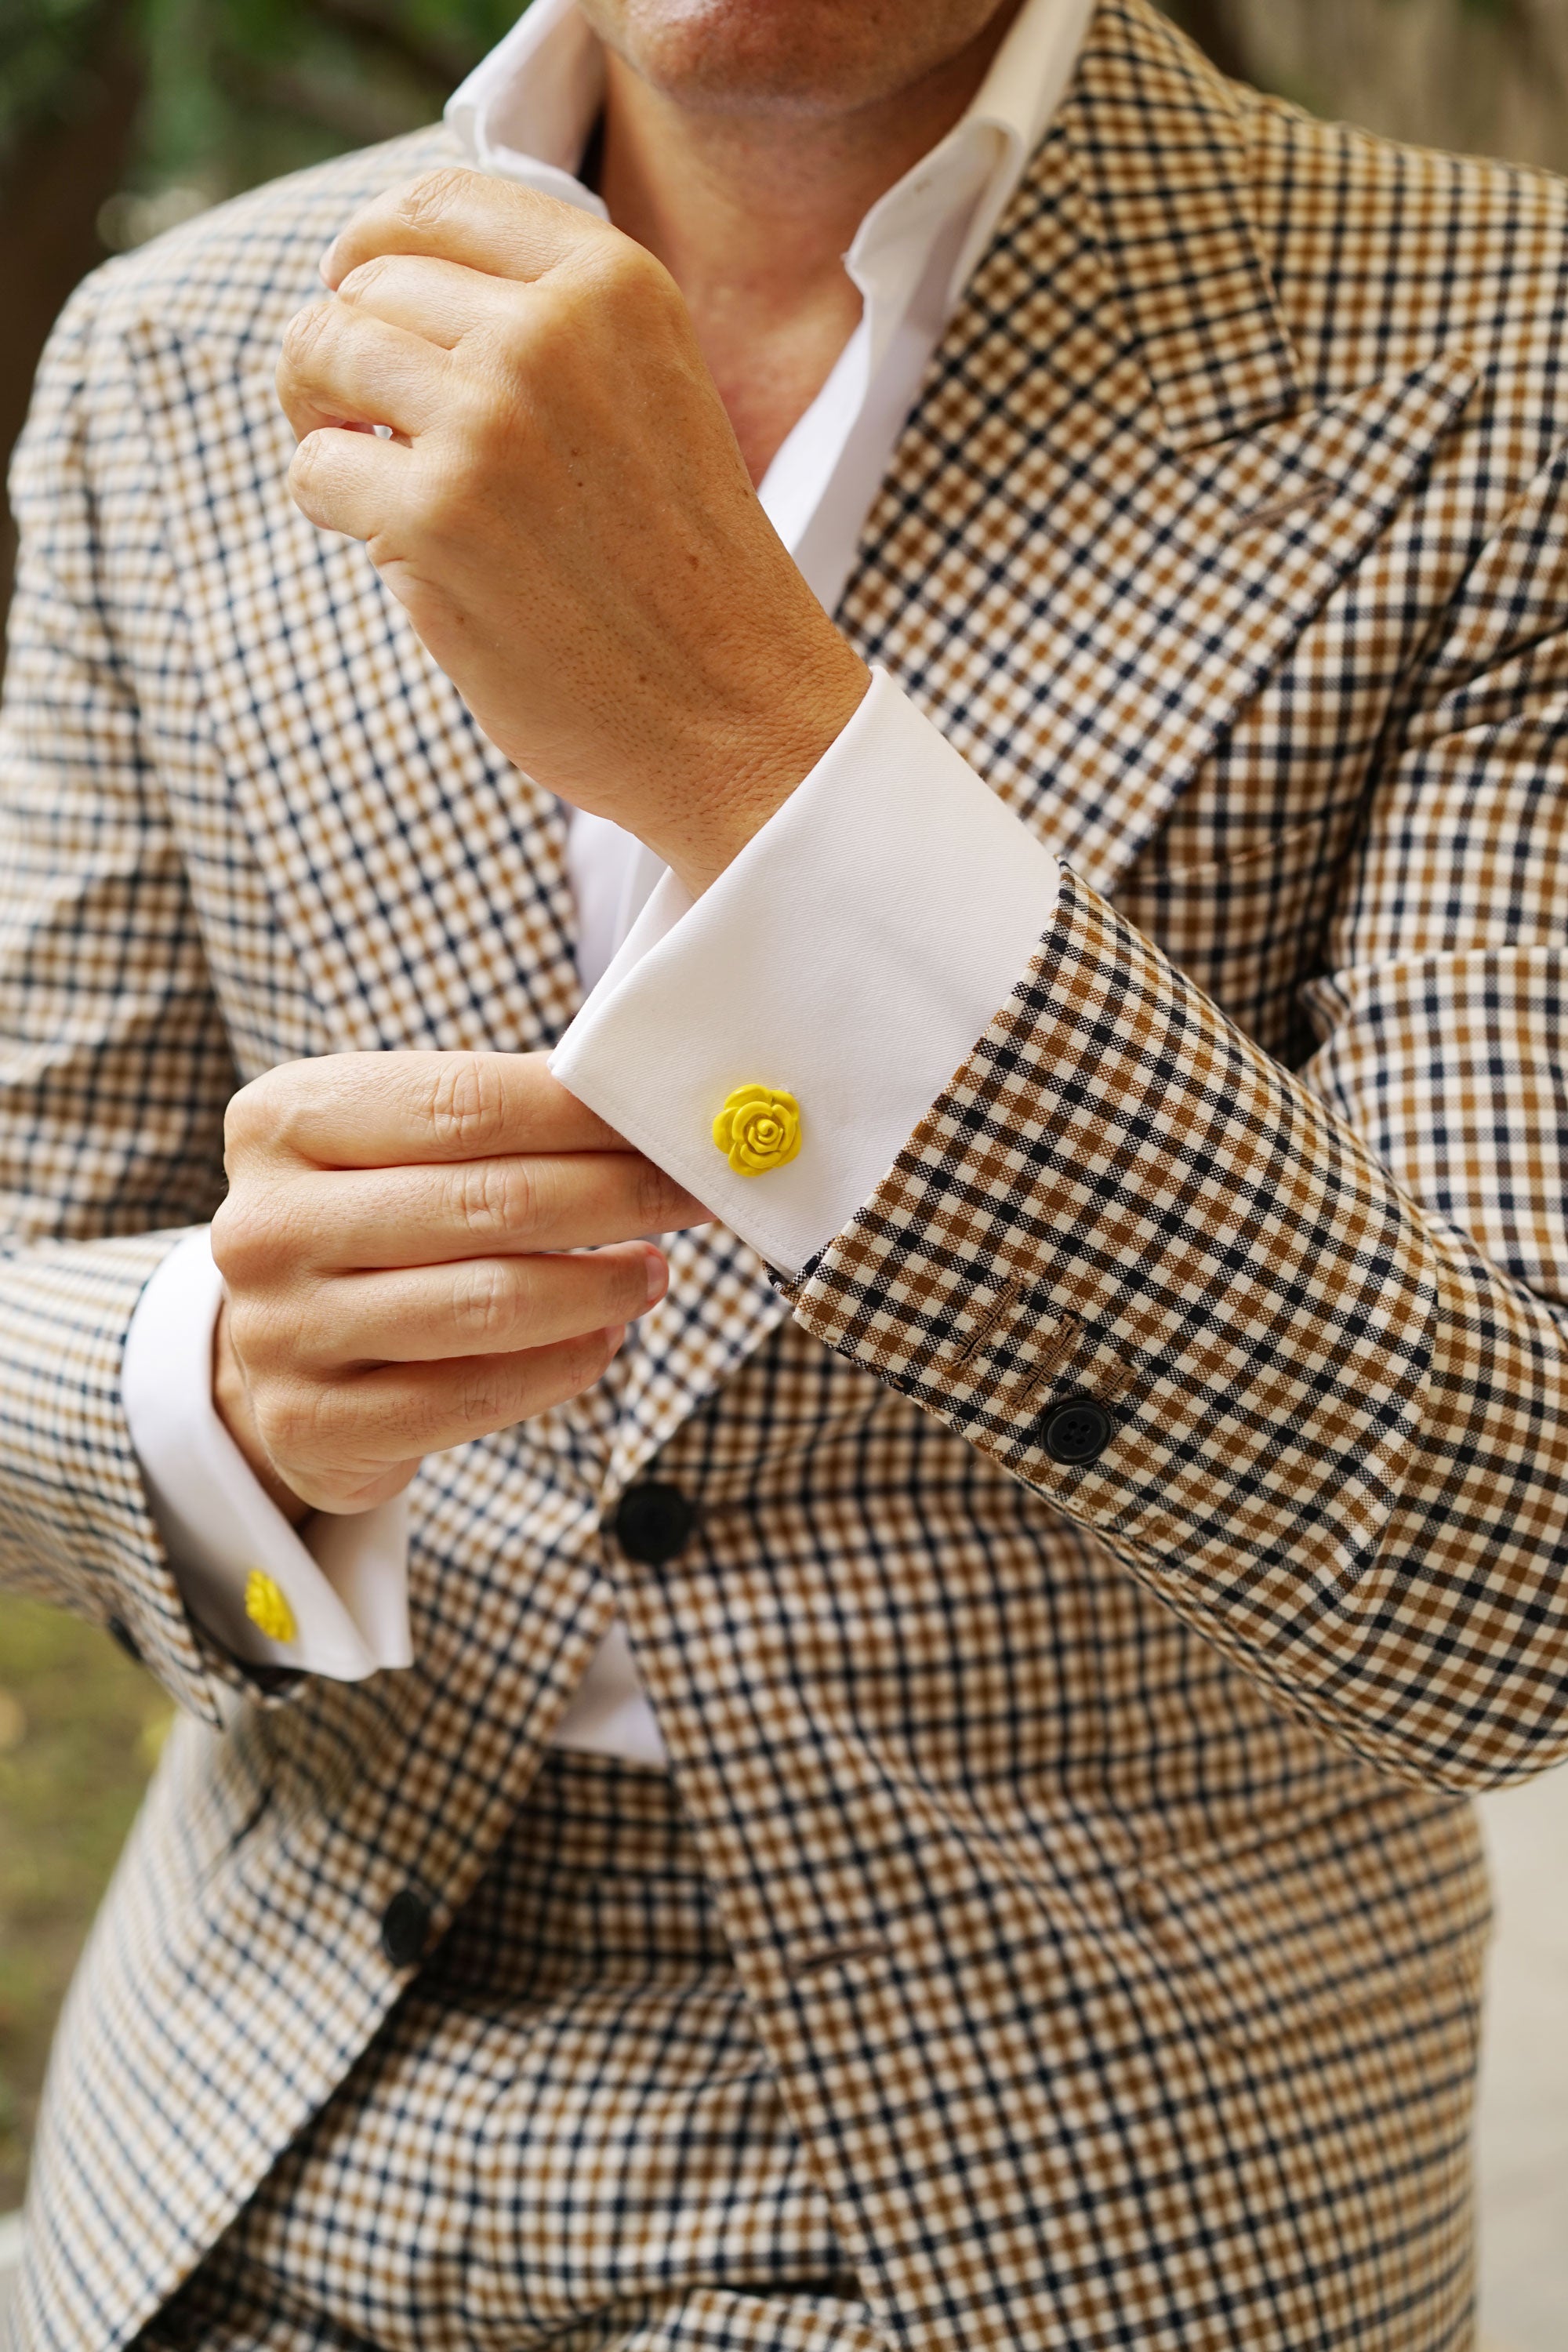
x=800, y=58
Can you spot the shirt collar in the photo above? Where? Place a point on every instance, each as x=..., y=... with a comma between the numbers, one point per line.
x=526, y=111
x=1015, y=105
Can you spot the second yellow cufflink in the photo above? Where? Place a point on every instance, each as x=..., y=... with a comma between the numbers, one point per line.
x=267, y=1608
x=758, y=1129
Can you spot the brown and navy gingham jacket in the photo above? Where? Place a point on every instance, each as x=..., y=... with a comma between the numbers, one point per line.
x=1091, y=1841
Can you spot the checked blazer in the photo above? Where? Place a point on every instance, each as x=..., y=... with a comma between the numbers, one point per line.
x=1091, y=1840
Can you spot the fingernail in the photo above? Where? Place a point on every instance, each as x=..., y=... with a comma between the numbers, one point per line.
x=325, y=265
x=657, y=1277
x=616, y=1338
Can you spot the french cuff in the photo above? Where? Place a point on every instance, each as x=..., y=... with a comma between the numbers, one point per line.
x=338, y=1591
x=774, y=1045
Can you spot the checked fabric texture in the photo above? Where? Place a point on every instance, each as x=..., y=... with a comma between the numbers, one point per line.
x=566, y=2133
x=1090, y=1842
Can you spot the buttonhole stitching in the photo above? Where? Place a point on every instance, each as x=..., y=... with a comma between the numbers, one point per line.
x=843, y=1954
x=1105, y=1377
x=958, y=1354
x=1309, y=500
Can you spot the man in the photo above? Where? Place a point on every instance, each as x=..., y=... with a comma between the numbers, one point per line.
x=1014, y=1630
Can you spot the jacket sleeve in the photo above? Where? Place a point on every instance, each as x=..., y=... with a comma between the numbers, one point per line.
x=1319, y=1315
x=114, y=1065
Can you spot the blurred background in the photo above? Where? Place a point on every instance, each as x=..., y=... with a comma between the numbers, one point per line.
x=120, y=119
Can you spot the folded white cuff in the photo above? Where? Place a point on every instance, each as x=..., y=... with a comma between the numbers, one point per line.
x=346, y=1579
x=851, y=956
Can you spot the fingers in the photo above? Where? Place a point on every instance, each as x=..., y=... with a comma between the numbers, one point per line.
x=343, y=363
x=360, y=1221
x=439, y=300
x=465, y=216
x=398, y=1110
x=400, y=1412
x=481, y=1306
x=411, y=1247
x=350, y=482
x=345, y=1444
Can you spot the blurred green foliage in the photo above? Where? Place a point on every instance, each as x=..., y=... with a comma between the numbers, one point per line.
x=43, y=46
x=235, y=90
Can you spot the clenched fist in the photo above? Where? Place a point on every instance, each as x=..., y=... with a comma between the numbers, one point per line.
x=419, y=1248
x=563, y=511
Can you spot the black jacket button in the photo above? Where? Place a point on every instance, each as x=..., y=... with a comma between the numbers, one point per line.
x=405, y=1929
x=118, y=1631
x=1077, y=1431
x=653, y=1523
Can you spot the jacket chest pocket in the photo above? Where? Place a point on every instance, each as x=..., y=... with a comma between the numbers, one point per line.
x=1247, y=928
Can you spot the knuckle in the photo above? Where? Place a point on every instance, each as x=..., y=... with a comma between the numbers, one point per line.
x=483, y=1399
x=303, y=334
x=523, y=1198
x=429, y=200
x=363, y=278
x=310, y=479
x=496, y=1199
x=410, y=1428
x=484, y=1303
x=654, y=1196
x=305, y=466
x=241, y=1239
x=270, y=1119
x=487, y=421
x=247, y=1117
x=628, y=271
x=465, y=1103
x=507, y=350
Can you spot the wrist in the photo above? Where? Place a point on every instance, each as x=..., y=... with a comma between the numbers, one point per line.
x=757, y=769
x=231, y=1400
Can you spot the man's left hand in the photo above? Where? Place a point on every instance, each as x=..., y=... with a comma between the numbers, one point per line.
x=563, y=511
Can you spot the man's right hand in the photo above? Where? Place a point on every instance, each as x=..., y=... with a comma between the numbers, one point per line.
x=418, y=1249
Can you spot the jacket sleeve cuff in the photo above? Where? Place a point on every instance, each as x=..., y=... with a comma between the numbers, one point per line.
x=1123, y=1211
x=849, y=957
x=344, y=1579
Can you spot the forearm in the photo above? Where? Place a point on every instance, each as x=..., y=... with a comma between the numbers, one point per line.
x=1336, y=1437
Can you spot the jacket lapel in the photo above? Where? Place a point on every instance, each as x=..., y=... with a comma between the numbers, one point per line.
x=1115, y=509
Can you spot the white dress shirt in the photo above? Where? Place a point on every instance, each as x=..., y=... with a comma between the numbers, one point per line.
x=852, y=954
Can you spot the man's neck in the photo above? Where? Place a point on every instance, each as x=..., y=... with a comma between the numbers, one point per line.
x=752, y=213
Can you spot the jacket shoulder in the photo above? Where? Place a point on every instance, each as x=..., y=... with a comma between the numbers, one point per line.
x=237, y=273
x=1385, y=256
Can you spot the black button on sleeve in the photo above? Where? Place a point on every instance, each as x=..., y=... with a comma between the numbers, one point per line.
x=654, y=1523
x=1077, y=1431
x=405, y=1927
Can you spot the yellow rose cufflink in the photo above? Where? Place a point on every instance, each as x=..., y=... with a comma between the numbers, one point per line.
x=758, y=1129
x=267, y=1608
